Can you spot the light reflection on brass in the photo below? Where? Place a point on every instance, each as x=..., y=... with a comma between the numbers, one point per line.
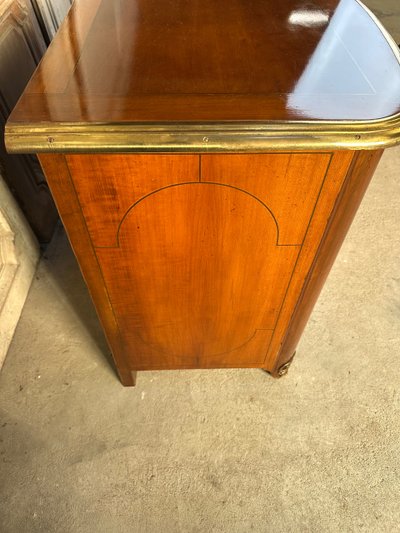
x=221, y=137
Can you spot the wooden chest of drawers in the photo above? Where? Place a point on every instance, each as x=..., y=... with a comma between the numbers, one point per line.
x=208, y=170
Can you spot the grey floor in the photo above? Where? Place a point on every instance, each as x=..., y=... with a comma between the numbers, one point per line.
x=388, y=11
x=211, y=451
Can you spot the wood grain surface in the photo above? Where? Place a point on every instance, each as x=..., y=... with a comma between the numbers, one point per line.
x=357, y=180
x=60, y=183
x=161, y=60
x=206, y=261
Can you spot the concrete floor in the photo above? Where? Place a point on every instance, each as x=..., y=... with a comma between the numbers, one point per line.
x=388, y=11
x=211, y=451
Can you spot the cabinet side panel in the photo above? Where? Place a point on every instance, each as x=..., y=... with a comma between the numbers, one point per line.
x=108, y=185
x=181, y=282
x=333, y=183
x=288, y=183
x=357, y=180
x=65, y=197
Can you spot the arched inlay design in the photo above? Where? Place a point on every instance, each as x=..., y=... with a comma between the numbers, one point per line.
x=198, y=274
x=204, y=184
x=109, y=185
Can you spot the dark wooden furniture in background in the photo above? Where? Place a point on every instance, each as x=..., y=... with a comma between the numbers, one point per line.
x=22, y=45
x=50, y=14
x=207, y=159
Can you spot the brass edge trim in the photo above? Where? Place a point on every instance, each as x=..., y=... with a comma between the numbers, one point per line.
x=212, y=137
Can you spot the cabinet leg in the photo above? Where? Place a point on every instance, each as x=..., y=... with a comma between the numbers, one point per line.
x=282, y=370
x=127, y=377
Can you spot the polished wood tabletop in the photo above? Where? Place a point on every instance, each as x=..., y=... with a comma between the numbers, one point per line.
x=203, y=61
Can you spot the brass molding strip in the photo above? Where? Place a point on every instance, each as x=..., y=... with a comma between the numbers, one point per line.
x=203, y=138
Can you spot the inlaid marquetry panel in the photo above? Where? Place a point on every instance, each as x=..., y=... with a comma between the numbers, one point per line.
x=197, y=251
x=288, y=183
x=112, y=183
x=198, y=276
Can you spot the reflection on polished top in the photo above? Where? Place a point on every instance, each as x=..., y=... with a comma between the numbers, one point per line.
x=208, y=62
